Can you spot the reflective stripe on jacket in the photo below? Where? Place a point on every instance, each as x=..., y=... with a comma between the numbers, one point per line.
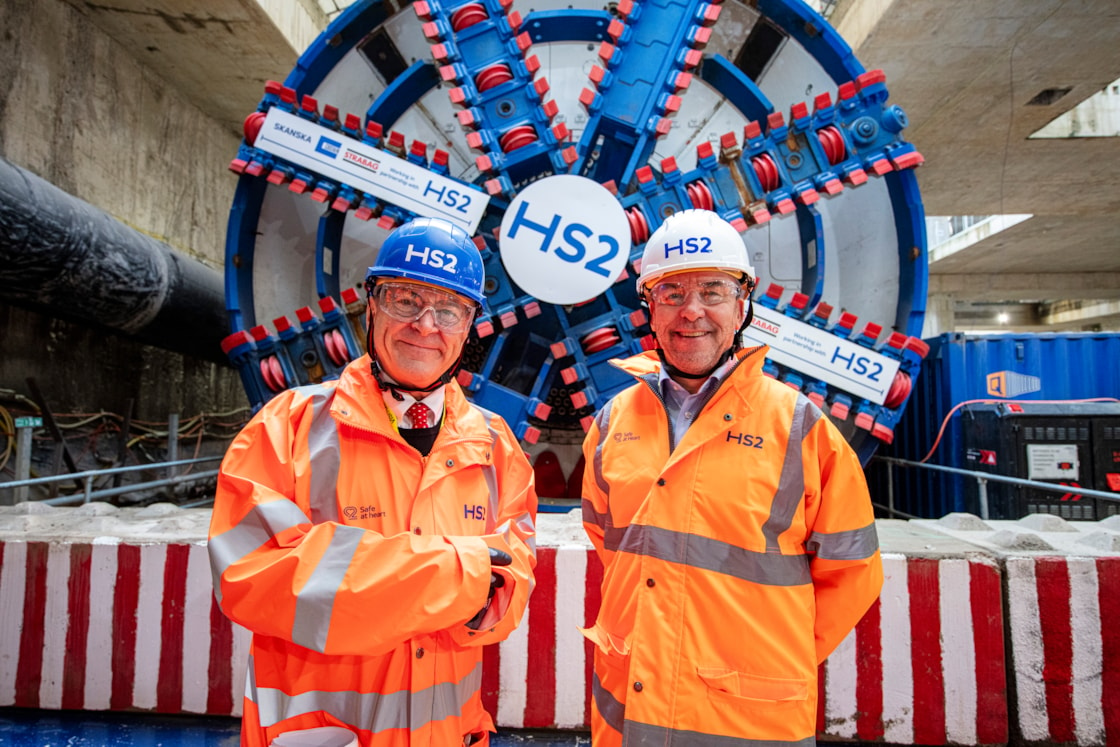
x=355, y=562
x=732, y=566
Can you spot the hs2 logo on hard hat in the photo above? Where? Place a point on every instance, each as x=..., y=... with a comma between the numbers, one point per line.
x=434, y=258
x=692, y=245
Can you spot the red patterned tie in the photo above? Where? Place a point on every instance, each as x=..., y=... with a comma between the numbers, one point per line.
x=420, y=414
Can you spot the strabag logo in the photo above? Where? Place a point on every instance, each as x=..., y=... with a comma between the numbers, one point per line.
x=766, y=327
x=328, y=147
x=367, y=163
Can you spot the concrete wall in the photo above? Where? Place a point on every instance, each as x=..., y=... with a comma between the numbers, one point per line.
x=79, y=111
x=80, y=369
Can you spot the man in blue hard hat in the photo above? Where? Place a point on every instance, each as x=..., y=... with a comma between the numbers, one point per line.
x=376, y=531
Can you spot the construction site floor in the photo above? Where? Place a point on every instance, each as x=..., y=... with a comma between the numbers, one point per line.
x=24, y=728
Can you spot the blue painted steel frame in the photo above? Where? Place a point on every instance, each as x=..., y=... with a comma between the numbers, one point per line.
x=654, y=194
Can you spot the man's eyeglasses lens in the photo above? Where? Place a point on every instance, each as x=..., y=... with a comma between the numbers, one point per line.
x=711, y=293
x=405, y=303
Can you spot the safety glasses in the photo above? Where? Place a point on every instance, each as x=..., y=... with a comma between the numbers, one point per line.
x=406, y=302
x=710, y=292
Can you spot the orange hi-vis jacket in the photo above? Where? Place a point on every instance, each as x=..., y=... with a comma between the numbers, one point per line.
x=355, y=562
x=734, y=561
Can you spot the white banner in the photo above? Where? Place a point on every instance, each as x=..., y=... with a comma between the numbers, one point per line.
x=342, y=159
x=818, y=354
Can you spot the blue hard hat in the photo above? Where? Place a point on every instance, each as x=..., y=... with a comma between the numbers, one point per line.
x=433, y=251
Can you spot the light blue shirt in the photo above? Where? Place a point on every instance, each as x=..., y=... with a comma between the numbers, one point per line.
x=683, y=407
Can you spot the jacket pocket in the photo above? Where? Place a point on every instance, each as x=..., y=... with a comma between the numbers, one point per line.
x=605, y=641
x=752, y=689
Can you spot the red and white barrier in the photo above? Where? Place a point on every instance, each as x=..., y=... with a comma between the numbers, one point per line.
x=925, y=664
x=540, y=677
x=1065, y=642
x=107, y=625
x=98, y=622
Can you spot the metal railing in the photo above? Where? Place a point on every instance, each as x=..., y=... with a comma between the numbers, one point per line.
x=86, y=478
x=982, y=480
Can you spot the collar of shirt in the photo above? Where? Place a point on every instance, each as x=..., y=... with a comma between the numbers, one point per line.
x=397, y=408
x=682, y=406
x=674, y=394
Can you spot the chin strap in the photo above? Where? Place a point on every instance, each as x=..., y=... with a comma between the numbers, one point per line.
x=392, y=387
x=736, y=344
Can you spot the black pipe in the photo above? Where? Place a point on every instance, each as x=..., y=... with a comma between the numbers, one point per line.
x=63, y=257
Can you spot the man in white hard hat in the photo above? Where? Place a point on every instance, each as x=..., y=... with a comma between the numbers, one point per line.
x=733, y=520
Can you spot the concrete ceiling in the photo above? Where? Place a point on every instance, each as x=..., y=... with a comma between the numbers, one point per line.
x=216, y=53
x=965, y=71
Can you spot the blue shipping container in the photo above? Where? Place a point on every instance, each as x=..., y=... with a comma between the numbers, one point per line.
x=960, y=368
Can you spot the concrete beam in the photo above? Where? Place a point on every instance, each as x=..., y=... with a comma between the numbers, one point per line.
x=974, y=235
x=1078, y=313
x=1031, y=287
x=855, y=20
x=300, y=22
x=940, y=316
x=218, y=55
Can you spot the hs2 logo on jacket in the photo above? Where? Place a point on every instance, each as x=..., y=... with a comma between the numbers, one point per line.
x=745, y=439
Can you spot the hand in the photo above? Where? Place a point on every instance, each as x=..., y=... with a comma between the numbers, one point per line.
x=497, y=557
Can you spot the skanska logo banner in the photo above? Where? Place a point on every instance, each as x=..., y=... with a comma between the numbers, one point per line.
x=299, y=143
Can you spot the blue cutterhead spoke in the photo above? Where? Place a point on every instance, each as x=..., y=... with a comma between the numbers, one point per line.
x=456, y=96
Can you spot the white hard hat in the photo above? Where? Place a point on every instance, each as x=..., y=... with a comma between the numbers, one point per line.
x=693, y=240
